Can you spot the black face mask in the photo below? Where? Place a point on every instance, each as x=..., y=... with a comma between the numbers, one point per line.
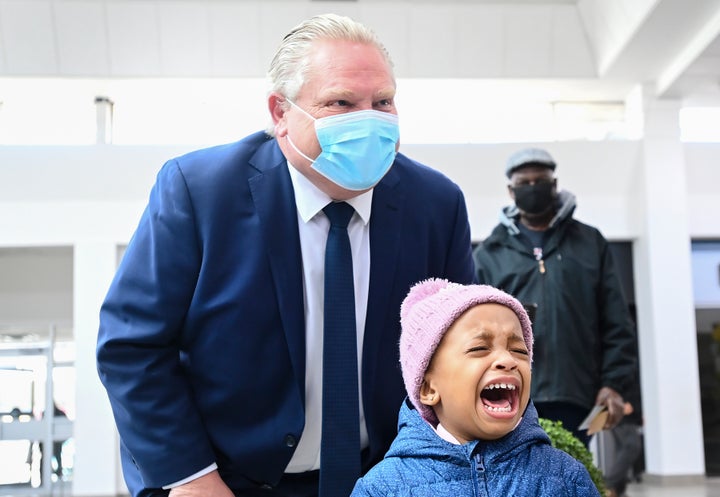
x=535, y=199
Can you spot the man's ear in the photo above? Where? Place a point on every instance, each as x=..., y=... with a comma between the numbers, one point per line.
x=510, y=191
x=277, y=105
x=429, y=396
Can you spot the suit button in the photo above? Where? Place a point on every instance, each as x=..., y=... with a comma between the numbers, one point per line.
x=290, y=441
x=266, y=486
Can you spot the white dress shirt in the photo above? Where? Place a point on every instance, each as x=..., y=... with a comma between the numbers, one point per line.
x=313, y=227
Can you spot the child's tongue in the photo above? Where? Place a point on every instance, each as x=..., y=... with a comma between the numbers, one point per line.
x=497, y=399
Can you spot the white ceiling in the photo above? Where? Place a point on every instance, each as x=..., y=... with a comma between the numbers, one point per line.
x=577, y=49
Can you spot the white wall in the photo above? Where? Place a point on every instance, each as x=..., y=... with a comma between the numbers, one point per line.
x=703, y=178
x=59, y=195
x=600, y=174
x=36, y=289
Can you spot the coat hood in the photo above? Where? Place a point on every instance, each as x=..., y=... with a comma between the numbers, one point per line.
x=418, y=439
x=566, y=206
x=523, y=463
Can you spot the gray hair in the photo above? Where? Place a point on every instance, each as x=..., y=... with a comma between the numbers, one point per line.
x=289, y=66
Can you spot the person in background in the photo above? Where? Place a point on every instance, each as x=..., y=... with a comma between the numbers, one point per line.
x=468, y=423
x=562, y=268
x=627, y=444
x=56, y=463
x=211, y=335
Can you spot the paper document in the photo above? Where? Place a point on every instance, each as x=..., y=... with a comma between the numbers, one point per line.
x=594, y=421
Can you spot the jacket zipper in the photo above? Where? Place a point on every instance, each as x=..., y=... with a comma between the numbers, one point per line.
x=479, y=473
x=538, y=253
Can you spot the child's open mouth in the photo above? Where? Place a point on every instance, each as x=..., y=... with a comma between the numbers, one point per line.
x=499, y=398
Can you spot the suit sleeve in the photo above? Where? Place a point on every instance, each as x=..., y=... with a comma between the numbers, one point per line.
x=138, y=349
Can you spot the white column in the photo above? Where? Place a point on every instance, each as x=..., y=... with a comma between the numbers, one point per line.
x=97, y=459
x=666, y=315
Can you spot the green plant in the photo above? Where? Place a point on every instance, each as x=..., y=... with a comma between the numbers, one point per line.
x=567, y=442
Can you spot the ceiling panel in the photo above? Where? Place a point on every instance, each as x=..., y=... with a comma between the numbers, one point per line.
x=134, y=39
x=28, y=37
x=233, y=28
x=81, y=38
x=603, y=44
x=184, y=38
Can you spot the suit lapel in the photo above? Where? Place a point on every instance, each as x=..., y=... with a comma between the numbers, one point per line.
x=274, y=200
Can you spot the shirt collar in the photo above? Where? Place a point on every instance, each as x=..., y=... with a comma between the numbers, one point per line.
x=310, y=199
x=449, y=437
x=446, y=435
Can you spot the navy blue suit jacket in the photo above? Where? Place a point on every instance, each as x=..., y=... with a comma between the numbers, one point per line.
x=202, y=338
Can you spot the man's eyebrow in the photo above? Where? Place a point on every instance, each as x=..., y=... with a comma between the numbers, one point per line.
x=386, y=93
x=341, y=93
x=338, y=93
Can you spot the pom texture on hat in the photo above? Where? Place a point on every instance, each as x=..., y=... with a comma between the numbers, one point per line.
x=528, y=156
x=427, y=312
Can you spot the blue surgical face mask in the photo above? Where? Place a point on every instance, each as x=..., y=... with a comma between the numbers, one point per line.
x=357, y=148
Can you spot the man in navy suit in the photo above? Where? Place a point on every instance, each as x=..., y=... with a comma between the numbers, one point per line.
x=210, y=340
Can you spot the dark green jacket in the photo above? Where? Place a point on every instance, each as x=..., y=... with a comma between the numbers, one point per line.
x=584, y=338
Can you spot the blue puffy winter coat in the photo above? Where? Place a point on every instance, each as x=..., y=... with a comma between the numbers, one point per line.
x=521, y=464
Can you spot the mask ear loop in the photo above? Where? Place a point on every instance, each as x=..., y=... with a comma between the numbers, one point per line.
x=292, y=144
x=300, y=109
x=312, y=161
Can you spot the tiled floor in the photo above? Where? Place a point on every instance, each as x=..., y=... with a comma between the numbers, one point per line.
x=711, y=488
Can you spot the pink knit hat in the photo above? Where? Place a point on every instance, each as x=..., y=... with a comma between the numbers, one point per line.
x=429, y=309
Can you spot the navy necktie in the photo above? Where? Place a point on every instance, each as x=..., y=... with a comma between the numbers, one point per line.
x=340, y=444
